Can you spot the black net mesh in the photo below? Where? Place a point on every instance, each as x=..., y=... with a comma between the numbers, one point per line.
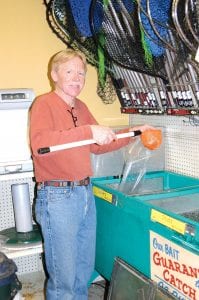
x=107, y=91
x=63, y=22
x=116, y=29
x=186, y=18
x=135, y=36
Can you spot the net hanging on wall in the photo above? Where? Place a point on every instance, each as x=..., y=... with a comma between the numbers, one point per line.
x=143, y=36
x=61, y=20
x=69, y=21
x=120, y=36
x=185, y=16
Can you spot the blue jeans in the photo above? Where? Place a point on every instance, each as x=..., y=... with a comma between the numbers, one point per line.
x=67, y=216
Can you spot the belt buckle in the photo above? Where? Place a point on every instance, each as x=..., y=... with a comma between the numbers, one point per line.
x=62, y=183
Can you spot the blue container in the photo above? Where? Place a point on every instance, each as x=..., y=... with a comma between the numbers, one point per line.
x=9, y=283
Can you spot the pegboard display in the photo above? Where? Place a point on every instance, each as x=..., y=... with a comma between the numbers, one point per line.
x=29, y=264
x=6, y=206
x=181, y=136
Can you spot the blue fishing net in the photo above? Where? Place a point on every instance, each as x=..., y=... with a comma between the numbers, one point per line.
x=60, y=18
x=160, y=13
x=122, y=40
x=81, y=10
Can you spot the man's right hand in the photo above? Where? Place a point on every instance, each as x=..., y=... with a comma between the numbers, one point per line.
x=102, y=134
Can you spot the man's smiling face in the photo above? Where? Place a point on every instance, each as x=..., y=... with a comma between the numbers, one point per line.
x=69, y=78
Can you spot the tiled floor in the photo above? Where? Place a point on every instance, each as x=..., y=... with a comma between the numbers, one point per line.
x=32, y=288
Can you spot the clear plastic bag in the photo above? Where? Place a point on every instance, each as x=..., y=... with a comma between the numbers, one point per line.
x=135, y=166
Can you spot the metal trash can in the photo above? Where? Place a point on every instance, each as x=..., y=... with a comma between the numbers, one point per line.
x=9, y=283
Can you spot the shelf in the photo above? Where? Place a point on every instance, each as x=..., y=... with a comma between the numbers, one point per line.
x=23, y=251
x=145, y=111
x=19, y=175
x=182, y=111
x=15, y=244
x=159, y=111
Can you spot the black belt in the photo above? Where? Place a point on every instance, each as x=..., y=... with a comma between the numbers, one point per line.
x=61, y=183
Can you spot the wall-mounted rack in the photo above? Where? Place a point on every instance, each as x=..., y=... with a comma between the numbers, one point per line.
x=140, y=93
x=148, y=48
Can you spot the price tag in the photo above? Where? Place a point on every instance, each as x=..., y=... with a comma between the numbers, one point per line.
x=102, y=194
x=168, y=221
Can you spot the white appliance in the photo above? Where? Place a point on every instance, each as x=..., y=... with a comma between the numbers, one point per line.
x=15, y=155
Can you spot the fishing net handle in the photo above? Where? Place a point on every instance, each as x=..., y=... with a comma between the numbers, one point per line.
x=45, y=150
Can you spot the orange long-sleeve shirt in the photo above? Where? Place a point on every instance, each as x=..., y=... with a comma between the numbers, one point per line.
x=51, y=123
